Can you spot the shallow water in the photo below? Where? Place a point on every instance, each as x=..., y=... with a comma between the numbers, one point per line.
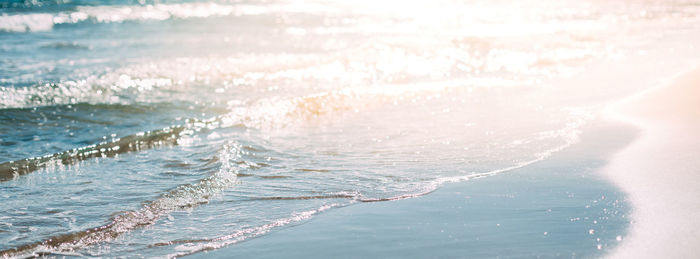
x=161, y=129
x=557, y=208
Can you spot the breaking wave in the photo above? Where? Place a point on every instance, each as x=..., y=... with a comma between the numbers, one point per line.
x=35, y=22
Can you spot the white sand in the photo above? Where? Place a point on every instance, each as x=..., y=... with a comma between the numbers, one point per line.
x=661, y=171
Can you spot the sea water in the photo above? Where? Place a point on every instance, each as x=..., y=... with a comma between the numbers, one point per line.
x=164, y=128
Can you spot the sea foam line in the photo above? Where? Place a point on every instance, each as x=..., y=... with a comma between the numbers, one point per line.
x=157, y=12
x=109, y=14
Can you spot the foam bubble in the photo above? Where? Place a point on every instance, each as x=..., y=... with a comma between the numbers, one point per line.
x=26, y=22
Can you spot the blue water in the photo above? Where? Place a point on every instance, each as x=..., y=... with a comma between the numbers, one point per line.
x=140, y=128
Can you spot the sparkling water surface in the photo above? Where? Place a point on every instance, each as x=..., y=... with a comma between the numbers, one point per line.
x=140, y=128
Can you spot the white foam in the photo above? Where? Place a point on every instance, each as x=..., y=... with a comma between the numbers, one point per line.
x=104, y=14
x=26, y=22
x=107, y=14
x=248, y=233
x=156, y=12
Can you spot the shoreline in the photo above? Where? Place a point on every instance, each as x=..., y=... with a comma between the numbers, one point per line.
x=660, y=171
x=559, y=207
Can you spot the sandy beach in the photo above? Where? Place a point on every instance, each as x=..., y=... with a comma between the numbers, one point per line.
x=661, y=171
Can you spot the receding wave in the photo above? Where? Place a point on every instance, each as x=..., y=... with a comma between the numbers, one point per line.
x=191, y=195
x=266, y=113
x=187, y=196
x=195, y=246
x=184, y=196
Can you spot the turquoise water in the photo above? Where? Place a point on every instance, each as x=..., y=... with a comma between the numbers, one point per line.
x=167, y=128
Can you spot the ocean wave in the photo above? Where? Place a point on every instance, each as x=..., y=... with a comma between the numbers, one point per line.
x=26, y=22
x=183, y=196
x=267, y=113
x=35, y=22
x=108, y=14
x=110, y=89
x=270, y=112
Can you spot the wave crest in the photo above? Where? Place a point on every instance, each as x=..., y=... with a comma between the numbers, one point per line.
x=109, y=14
x=26, y=22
